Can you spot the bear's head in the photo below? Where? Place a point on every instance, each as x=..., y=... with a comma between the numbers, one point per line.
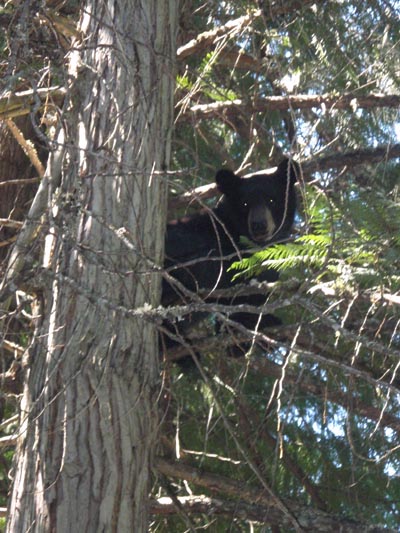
x=260, y=207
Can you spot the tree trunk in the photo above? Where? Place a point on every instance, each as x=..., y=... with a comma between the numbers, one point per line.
x=89, y=417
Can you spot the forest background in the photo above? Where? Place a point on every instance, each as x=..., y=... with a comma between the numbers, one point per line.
x=301, y=432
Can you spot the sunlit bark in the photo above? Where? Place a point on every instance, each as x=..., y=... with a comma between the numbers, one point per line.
x=89, y=406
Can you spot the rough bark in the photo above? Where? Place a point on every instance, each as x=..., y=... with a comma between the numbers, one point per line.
x=89, y=405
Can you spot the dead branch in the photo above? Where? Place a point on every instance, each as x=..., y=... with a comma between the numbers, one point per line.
x=27, y=146
x=165, y=506
x=348, y=159
x=21, y=103
x=353, y=158
x=208, y=38
x=308, y=519
x=291, y=102
x=9, y=441
x=14, y=348
x=19, y=182
x=17, y=224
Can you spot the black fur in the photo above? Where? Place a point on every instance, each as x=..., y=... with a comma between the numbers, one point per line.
x=200, y=248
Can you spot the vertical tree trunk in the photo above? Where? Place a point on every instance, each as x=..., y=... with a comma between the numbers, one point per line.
x=89, y=408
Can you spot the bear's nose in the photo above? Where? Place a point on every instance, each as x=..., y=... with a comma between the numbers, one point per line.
x=261, y=224
x=259, y=227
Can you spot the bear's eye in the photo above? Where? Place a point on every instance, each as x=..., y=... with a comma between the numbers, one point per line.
x=245, y=204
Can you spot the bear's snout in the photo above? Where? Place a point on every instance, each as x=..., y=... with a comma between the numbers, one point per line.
x=261, y=224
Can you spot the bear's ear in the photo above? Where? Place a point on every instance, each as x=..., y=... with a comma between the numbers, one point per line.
x=286, y=168
x=226, y=181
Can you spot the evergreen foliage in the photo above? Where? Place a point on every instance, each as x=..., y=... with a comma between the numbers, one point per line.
x=313, y=410
x=302, y=430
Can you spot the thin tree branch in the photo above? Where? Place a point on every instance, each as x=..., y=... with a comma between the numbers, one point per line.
x=27, y=146
x=309, y=519
x=266, y=367
x=165, y=506
x=208, y=38
x=321, y=389
x=291, y=102
x=256, y=430
x=8, y=441
x=334, y=161
x=352, y=158
x=11, y=223
x=21, y=103
x=22, y=181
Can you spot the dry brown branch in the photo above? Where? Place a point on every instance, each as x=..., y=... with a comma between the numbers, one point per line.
x=335, y=161
x=6, y=242
x=21, y=103
x=29, y=230
x=290, y=102
x=12, y=347
x=308, y=385
x=9, y=441
x=11, y=223
x=353, y=158
x=26, y=145
x=210, y=506
x=308, y=519
x=208, y=38
x=9, y=421
x=19, y=182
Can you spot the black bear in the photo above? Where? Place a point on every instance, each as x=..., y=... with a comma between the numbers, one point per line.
x=199, y=249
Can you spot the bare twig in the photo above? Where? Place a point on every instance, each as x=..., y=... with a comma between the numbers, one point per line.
x=9, y=441
x=21, y=103
x=308, y=518
x=26, y=145
x=298, y=101
x=208, y=38
x=10, y=223
x=19, y=182
x=333, y=161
